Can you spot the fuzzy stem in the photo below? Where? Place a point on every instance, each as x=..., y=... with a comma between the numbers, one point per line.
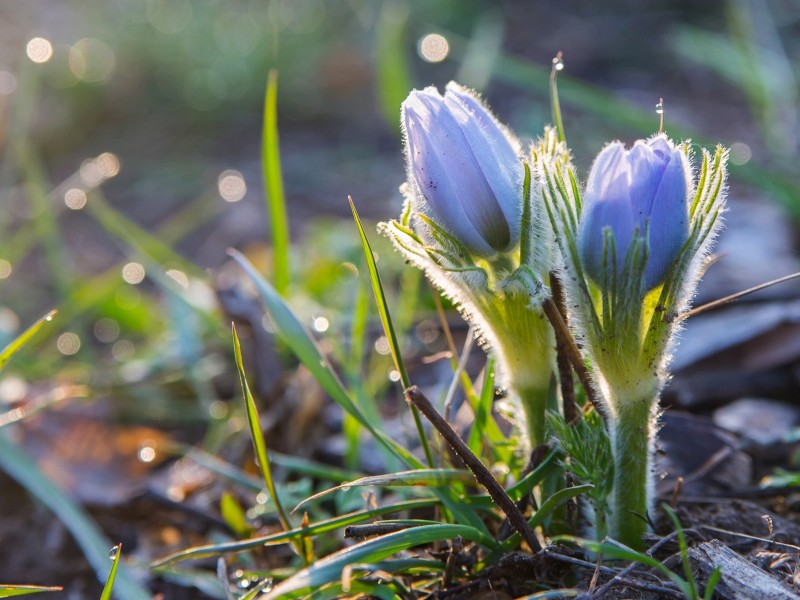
x=632, y=436
x=534, y=403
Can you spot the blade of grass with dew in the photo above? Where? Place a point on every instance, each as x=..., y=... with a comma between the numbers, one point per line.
x=112, y=574
x=273, y=185
x=302, y=343
x=23, y=338
x=8, y=591
x=319, y=528
x=259, y=444
x=393, y=71
x=329, y=569
x=417, y=477
x=388, y=329
x=85, y=531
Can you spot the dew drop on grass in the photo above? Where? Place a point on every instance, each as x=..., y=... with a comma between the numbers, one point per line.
x=243, y=583
x=558, y=62
x=112, y=554
x=660, y=108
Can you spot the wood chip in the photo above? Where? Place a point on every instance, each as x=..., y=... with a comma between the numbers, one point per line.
x=740, y=579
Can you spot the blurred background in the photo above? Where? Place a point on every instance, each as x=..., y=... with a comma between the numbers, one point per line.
x=131, y=159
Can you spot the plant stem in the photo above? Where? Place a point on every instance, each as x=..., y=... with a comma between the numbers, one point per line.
x=632, y=435
x=534, y=403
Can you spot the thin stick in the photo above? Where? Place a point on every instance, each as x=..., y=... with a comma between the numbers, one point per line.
x=416, y=398
x=736, y=296
x=571, y=412
x=571, y=351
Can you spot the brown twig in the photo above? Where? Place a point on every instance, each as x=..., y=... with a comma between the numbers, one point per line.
x=571, y=412
x=728, y=299
x=362, y=531
x=416, y=398
x=571, y=351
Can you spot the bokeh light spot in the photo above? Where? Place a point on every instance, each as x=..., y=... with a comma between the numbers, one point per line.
x=740, y=153
x=123, y=350
x=179, y=277
x=433, y=48
x=231, y=185
x=106, y=330
x=8, y=83
x=68, y=343
x=321, y=324
x=5, y=269
x=75, y=198
x=382, y=345
x=39, y=50
x=133, y=273
x=92, y=60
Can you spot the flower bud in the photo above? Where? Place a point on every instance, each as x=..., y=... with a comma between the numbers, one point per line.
x=638, y=192
x=464, y=168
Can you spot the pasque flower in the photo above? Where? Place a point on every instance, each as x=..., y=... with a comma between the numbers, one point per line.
x=637, y=192
x=465, y=166
x=472, y=223
x=634, y=246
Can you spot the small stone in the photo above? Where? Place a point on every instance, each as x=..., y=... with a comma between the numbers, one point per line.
x=763, y=422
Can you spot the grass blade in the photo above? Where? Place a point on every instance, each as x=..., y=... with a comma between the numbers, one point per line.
x=305, y=347
x=326, y=526
x=85, y=531
x=330, y=568
x=22, y=339
x=388, y=329
x=257, y=435
x=273, y=185
x=112, y=575
x=8, y=591
x=417, y=477
x=302, y=343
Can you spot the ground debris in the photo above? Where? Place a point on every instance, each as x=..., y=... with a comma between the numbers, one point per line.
x=740, y=579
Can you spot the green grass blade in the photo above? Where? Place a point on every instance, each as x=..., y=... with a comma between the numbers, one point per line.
x=302, y=343
x=257, y=436
x=713, y=580
x=273, y=185
x=112, y=574
x=85, y=531
x=8, y=591
x=326, y=526
x=388, y=329
x=23, y=339
x=417, y=477
x=330, y=568
x=483, y=413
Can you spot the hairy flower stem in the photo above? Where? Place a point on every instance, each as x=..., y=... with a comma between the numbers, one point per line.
x=524, y=346
x=632, y=436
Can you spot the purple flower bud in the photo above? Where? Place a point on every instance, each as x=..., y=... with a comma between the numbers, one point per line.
x=464, y=168
x=642, y=190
